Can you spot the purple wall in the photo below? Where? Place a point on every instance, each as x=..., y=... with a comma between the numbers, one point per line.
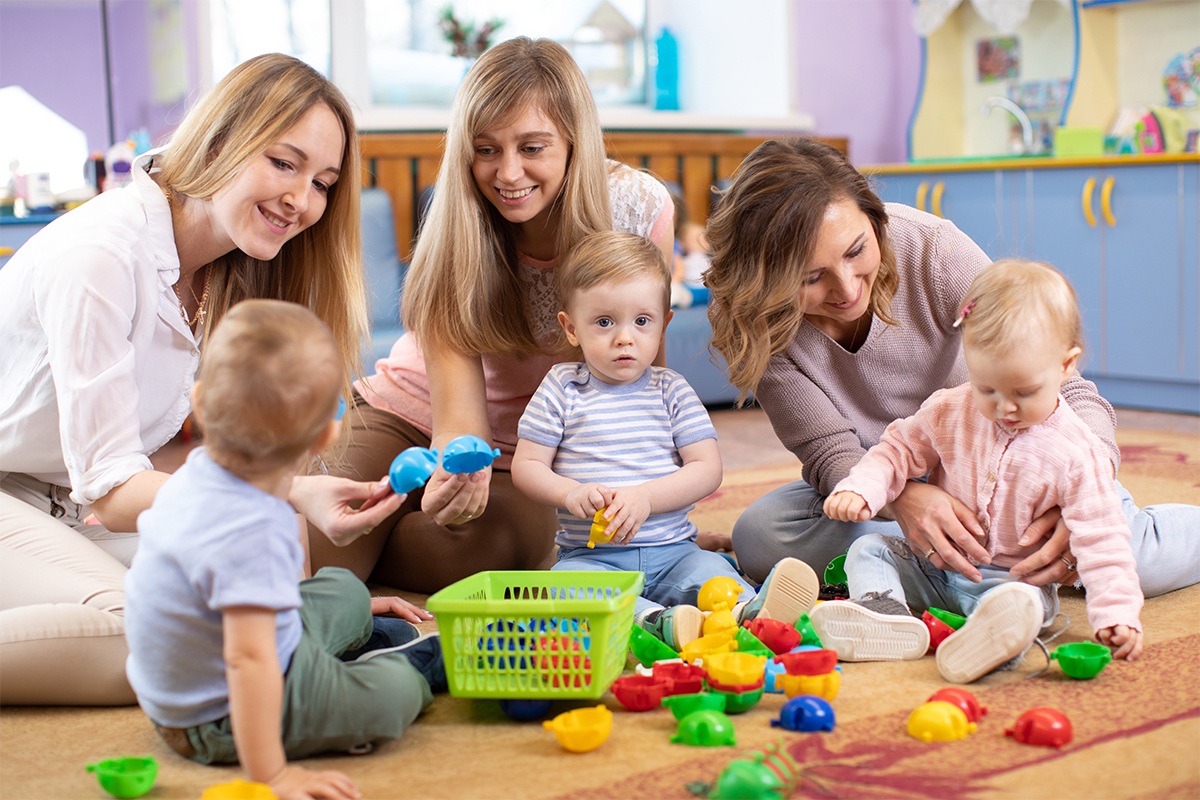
x=55, y=51
x=858, y=65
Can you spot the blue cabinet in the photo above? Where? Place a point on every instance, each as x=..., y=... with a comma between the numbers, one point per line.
x=1126, y=236
x=16, y=231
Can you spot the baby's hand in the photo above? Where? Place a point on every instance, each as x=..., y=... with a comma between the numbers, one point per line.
x=398, y=607
x=587, y=498
x=629, y=508
x=298, y=783
x=847, y=507
x=1128, y=641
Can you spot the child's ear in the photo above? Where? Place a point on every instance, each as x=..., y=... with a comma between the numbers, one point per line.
x=564, y=319
x=667, y=319
x=326, y=437
x=1071, y=361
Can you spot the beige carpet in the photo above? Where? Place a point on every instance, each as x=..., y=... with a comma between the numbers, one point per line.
x=1136, y=726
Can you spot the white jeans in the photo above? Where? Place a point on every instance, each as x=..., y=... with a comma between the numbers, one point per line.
x=62, y=600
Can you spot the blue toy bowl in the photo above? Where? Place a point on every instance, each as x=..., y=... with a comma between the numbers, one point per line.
x=466, y=454
x=411, y=469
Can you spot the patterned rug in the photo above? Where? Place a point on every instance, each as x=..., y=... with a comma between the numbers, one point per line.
x=1136, y=726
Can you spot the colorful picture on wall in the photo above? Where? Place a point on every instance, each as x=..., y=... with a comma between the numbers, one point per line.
x=998, y=59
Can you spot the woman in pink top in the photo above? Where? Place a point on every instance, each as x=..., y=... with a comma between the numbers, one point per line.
x=1007, y=446
x=523, y=178
x=837, y=311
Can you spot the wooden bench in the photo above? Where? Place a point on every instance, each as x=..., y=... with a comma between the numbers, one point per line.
x=406, y=163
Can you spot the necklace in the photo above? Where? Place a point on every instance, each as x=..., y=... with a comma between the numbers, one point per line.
x=199, y=316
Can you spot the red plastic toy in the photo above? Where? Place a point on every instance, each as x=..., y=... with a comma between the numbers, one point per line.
x=961, y=698
x=1048, y=727
x=808, y=662
x=938, y=630
x=639, y=692
x=679, y=678
x=775, y=634
x=560, y=659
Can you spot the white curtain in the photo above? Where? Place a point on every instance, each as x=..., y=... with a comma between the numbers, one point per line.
x=1003, y=15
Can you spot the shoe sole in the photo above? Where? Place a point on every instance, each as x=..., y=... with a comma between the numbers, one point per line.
x=687, y=625
x=860, y=634
x=792, y=588
x=398, y=648
x=1003, y=626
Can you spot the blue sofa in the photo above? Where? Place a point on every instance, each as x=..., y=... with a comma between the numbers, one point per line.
x=687, y=334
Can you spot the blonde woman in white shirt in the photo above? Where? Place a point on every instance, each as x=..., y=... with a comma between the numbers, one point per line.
x=103, y=315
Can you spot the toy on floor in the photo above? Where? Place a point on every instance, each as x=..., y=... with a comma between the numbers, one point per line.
x=717, y=592
x=679, y=677
x=810, y=671
x=941, y=624
x=806, y=713
x=581, y=730
x=411, y=469
x=720, y=621
x=599, y=531
x=747, y=642
x=648, y=648
x=1082, y=660
x=768, y=774
x=526, y=710
x=705, y=729
x=639, y=692
x=466, y=454
x=775, y=634
x=1048, y=727
x=833, y=580
x=127, y=776
x=939, y=721
x=963, y=699
x=238, y=790
x=706, y=646
x=681, y=705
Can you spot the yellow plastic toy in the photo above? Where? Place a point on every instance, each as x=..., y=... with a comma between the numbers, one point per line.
x=239, y=790
x=718, y=591
x=735, y=669
x=825, y=686
x=939, y=721
x=708, y=645
x=581, y=730
x=720, y=621
x=599, y=533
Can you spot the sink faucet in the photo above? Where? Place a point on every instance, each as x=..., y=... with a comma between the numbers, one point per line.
x=1008, y=105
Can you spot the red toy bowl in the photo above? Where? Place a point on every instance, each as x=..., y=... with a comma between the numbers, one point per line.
x=809, y=662
x=961, y=698
x=742, y=688
x=775, y=634
x=678, y=677
x=938, y=630
x=639, y=692
x=1048, y=727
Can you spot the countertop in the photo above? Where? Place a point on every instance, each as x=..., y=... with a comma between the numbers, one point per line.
x=977, y=163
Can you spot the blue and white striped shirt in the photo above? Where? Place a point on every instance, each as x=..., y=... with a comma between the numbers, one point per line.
x=618, y=436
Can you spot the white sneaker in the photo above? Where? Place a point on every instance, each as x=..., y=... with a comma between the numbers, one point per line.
x=790, y=590
x=859, y=633
x=1003, y=626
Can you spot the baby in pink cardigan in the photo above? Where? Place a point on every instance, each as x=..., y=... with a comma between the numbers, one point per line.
x=1008, y=447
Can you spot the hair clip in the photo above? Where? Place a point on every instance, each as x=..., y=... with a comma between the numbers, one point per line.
x=966, y=312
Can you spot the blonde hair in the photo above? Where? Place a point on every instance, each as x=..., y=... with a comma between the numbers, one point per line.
x=269, y=383
x=611, y=257
x=463, y=290
x=762, y=235
x=1015, y=300
x=321, y=268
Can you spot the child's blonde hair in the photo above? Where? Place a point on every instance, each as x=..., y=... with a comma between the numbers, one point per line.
x=611, y=257
x=269, y=384
x=1015, y=299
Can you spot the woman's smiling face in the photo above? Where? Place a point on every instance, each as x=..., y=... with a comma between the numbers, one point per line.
x=521, y=167
x=835, y=289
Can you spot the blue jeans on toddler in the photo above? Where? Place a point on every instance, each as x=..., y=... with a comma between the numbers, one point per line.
x=879, y=563
x=674, y=572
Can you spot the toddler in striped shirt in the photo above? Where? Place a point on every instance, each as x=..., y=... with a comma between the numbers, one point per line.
x=618, y=434
x=1008, y=447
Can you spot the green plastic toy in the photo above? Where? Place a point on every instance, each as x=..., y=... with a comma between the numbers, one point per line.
x=705, y=729
x=808, y=634
x=1082, y=660
x=682, y=705
x=739, y=702
x=127, y=776
x=835, y=571
x=749, y=643
x=955, y=621
x=648, y=648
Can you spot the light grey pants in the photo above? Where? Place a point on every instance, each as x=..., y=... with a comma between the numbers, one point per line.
x=790, y=521
x=62, y=600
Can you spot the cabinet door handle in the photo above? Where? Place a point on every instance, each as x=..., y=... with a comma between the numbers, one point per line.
x=922, y=191
x=1086, y=201
x=1106, y=201
x=938, y=189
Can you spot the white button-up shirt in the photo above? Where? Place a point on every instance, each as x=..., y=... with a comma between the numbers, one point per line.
x=96, y=362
